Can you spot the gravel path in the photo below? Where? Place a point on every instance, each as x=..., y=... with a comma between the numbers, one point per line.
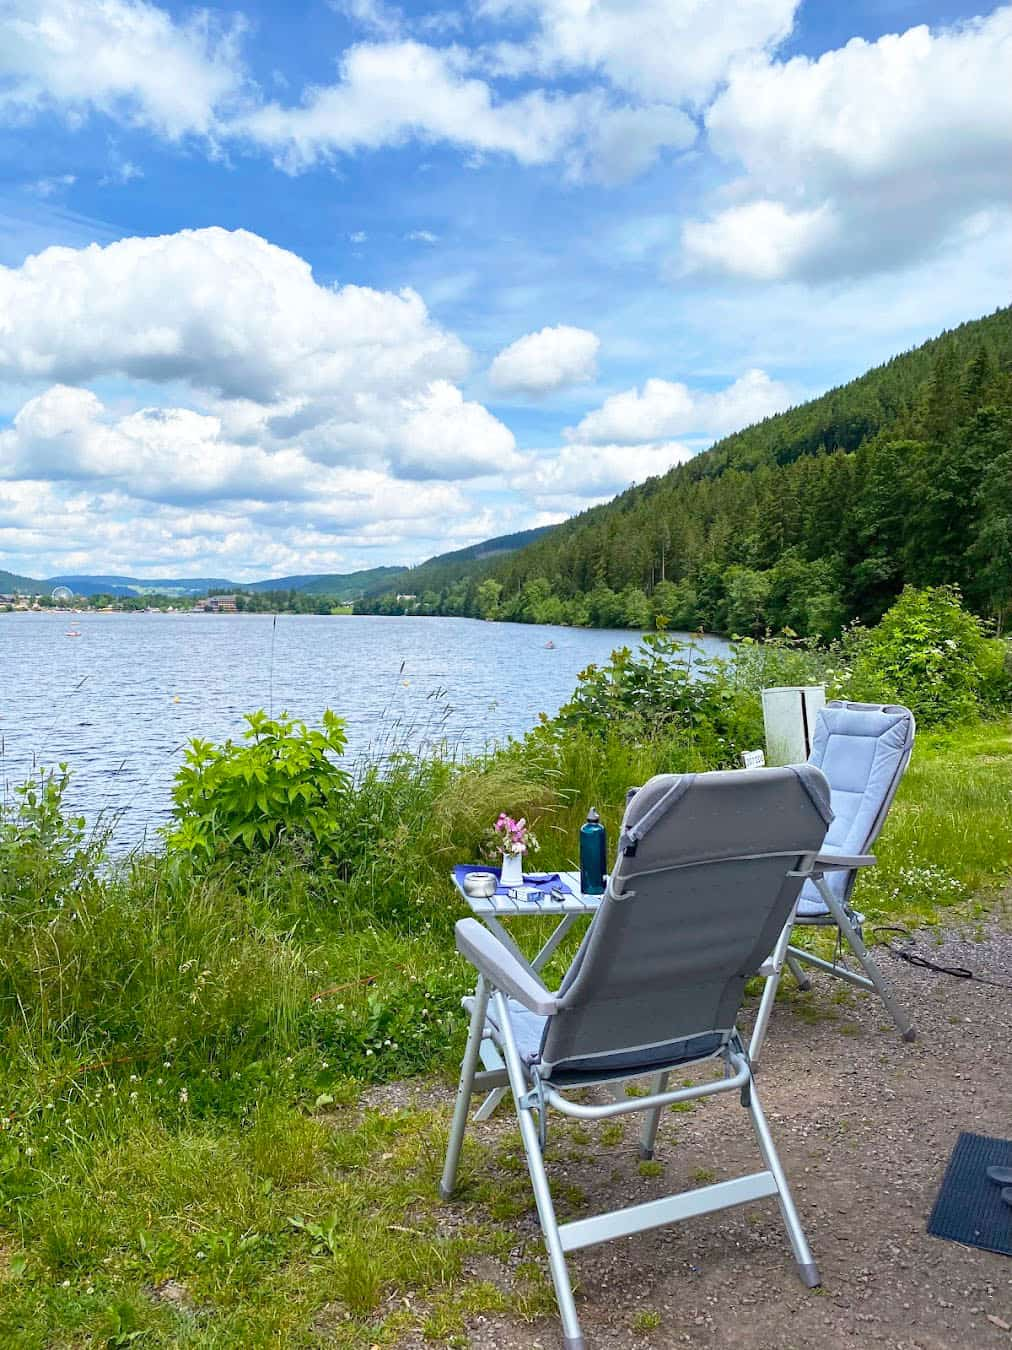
x=865, y=1125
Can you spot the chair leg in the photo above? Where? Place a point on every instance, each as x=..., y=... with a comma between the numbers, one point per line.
x=798, y=971
x=770, y=988
x=571, y=1334
x=652, y=1118
x=762, y=1018
x=462, y=1106
x=807, y=1268
x=904, y=1024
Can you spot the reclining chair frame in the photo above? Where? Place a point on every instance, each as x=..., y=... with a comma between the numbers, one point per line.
x=840, y=915
x=503, y=974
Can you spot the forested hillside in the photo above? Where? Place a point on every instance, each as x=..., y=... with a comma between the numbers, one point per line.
x=807, y=520
x=466, y=565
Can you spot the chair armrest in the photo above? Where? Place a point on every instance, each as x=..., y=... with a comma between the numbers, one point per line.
x=502, y=969
x=843, y=862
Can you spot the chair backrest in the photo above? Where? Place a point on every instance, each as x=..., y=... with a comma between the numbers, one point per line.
x=863, y=749
x=702, y=887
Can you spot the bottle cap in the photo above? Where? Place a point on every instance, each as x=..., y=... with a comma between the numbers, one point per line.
x=592, y=816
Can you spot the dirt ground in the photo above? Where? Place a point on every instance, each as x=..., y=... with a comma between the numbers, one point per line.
x=865, y=1125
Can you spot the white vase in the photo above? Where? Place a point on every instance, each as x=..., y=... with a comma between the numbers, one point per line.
x=512, y=869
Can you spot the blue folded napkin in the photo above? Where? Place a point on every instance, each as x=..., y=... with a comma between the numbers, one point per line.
x=551, y=881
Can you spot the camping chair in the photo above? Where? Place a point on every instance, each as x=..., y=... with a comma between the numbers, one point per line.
x=863, y=749
x=709, y=869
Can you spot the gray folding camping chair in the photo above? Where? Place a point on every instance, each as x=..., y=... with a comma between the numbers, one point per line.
x=709, y=869
x=863, y=749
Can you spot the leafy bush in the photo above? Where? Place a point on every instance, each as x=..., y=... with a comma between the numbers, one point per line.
x=928, y=653
x=46, y=857
x=282, y=786
x=661, y=691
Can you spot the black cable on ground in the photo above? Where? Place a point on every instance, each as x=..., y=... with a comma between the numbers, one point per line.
x=913, y=958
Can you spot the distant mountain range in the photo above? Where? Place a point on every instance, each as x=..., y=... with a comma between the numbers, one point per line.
x=438, y=571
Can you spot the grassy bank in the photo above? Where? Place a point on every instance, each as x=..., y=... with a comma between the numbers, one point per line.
x=185, y=1159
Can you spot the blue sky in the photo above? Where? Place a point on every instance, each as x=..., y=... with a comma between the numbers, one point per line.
x=316, y=286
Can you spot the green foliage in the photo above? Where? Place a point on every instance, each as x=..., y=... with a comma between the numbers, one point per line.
x=701, y=712
x=281, y=786
x=46, y=857
x=927, y=653
x=663, y=690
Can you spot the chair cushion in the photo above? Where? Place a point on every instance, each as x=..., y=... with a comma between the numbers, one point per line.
x=861, y=751
x=529, y=1029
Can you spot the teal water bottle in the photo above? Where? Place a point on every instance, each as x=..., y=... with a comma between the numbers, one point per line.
x=593, y=855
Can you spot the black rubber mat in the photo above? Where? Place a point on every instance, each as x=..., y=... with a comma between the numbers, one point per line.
x=969, y=1208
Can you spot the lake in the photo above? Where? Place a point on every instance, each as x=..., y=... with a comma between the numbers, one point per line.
x=118, y=703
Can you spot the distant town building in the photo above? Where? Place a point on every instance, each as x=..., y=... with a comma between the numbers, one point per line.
x=217, y=604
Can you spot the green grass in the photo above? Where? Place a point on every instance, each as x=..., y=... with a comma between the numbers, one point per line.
x=184, y=1160
x=949, y=834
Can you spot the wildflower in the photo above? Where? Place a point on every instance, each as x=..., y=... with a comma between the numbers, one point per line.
x=184, y=1096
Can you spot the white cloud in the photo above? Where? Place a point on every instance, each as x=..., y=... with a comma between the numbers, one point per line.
x=620, y=143
x=120, y=172
x=672, y=50
x=49, y=187
x=762, y=240
x=385, y=20
x=131, y=60
x=869, y=156
x=47, y=528
x=445, y=437
x=175, y=456
x=545, y=361
x=123, y=58
x=584, y=473
x=422, y=237
x=664, y=408
x=222, y=310
x=392, y=92
x=306, y=406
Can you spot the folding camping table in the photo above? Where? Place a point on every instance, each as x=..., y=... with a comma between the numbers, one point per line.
x=491, y=911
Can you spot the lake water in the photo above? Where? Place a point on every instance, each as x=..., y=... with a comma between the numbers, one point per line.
x=119, y=703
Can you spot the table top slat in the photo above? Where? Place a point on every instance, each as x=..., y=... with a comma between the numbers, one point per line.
x=501, y=906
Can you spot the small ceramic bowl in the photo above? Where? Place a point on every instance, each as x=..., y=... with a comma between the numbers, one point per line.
x=479, y=885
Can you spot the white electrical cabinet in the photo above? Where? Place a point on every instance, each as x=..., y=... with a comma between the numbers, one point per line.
x=789, y=713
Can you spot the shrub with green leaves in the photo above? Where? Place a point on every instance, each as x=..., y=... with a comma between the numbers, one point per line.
x=928, y=653
x=46, y=856
x=282, y=786
x=663, y=689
